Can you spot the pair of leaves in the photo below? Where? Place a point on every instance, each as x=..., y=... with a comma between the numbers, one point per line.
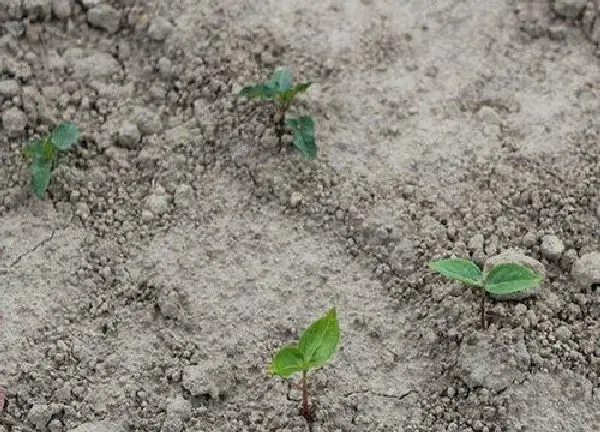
x=505, y=278
x=303, y=134
x=42, y=153
x=43, y=150
x=315, y=347
x=279, y=88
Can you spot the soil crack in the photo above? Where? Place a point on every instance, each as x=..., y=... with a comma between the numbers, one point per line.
x=385, y=395
x=24, y=254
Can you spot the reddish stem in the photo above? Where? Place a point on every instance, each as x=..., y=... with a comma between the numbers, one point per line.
x=305, y=406
x=483, y=309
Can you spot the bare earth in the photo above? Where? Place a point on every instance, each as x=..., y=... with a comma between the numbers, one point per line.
x=179, y=246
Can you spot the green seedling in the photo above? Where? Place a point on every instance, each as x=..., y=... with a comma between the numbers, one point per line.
x=501, y=279
x=282, y=91
x=42, y=153
x=315, y=347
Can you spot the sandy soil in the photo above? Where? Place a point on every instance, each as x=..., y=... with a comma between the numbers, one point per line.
x=179, y=246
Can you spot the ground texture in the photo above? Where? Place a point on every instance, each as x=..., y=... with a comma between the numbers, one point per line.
x=179, y=245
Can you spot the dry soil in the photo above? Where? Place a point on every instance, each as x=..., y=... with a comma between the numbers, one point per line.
x=179, y=245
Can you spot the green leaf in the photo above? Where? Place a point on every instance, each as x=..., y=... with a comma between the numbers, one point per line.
x=40, y=179
x=303, y=130
x=39, y=151
x=280, y=84
x=281, y=80
x=262, y=91
x=320, y=340
x=32, y=149
x=290, y=94
x=460, y=269
x=287, y=361
x=64, y=136
x=511, y=278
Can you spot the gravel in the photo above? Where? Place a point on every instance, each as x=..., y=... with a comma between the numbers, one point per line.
x=586, y=270
x=104, y=17
x=14, y=122
x=552, y=247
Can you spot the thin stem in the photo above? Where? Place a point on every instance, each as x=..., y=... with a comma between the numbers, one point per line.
x=483, y=308
x=305, y=406
x=280, y=125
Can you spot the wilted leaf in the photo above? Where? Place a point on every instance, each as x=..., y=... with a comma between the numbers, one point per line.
x=303, y=130
x=459, y=269
x=287, y=361
x=40, y=179
x=320, y=340
x=64, y=136
x=511, y=278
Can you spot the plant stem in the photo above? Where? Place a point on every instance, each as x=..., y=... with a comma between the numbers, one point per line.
x=483, y=308
x=280, y=125
x=305, y=406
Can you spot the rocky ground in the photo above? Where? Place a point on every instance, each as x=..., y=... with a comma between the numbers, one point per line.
x=179, y=246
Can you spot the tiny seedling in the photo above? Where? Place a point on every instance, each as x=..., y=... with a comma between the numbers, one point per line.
x=42, y=153
x=282, y=91
x=315, y=347
x=505, y=278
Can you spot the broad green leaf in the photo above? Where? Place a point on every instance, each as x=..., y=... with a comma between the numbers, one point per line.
x=281, y=80
x=290, y=94
x=40, y=179
x=511, y=278
x=320, y=340
x=64, y=136
x=262, y=91
x=287, y=361
x=460, y=269
x=303, y=130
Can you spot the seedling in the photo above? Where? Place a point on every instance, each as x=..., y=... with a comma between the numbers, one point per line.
x=42, y=153
x=282, y=91
x=315, y=347
x=501, y=279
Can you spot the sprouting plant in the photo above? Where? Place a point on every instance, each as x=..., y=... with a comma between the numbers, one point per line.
x=282, y=91
x=501, y=279
x=315, y=347
x=42, y=153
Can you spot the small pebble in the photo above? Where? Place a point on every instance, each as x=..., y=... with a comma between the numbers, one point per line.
x=586, y=270
x=552, y=247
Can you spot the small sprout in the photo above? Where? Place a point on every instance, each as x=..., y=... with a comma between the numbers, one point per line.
x=505, y=278
x=316, y=345
x=282, y=91
x=42, y=153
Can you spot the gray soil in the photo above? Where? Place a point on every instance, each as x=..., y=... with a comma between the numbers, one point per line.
x=179, y=245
